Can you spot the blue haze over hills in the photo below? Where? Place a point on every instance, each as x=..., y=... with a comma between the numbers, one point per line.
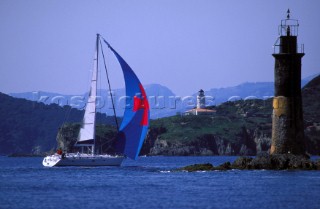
x=248, y=90
x=163, y=101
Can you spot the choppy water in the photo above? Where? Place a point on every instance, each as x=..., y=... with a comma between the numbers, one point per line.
x=147, y=183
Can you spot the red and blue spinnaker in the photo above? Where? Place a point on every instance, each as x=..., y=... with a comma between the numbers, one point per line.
x=134, y=126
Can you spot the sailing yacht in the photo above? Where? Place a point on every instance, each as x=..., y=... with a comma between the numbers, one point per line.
x=133, y=128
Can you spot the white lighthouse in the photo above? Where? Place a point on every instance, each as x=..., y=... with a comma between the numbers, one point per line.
x=201, y=106
x=201, y=100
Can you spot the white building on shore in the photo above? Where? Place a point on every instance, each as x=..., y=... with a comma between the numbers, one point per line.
x=201, y=106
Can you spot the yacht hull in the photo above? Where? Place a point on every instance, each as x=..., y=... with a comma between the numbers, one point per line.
x=82, y=160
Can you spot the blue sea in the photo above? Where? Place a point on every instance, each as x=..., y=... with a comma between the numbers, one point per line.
x=150, y=183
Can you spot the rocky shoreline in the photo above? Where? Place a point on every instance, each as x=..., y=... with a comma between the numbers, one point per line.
x=267, y=162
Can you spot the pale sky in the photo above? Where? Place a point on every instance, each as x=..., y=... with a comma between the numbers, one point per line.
x=182, y=44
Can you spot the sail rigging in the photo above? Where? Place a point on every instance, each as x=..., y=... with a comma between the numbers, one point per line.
x=109, y=85
x=131, y=133
x=134, y=126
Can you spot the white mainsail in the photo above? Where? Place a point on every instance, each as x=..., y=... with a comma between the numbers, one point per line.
x=87, y=131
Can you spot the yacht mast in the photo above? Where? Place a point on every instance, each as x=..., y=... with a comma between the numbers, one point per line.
x=95, y=77
x=86, y=136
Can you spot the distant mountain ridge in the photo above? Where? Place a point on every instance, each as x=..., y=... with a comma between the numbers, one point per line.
x=163, y=102
x=240, y=127
x=248, y=90
x=158, y=98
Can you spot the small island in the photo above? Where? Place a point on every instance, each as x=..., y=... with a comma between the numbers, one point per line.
x=288, y=147
x=267, y=162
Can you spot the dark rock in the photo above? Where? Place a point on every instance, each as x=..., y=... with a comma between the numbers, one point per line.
x=261, y=162
x=197, y=167
x=269, y=162
x=289, y=161
x=224, y=166
x=275, y=162
x=206, y=167
x=318, y=164
x=242, y=163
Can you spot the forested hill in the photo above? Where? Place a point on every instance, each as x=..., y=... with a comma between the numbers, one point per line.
x=238, y=128
x=241, y=127
x=31, y=127
x=311, y=102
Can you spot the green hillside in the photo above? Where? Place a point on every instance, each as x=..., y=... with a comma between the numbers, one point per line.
x=231, y=131
x=311, y=105
x=31, y=127
x=238, y=128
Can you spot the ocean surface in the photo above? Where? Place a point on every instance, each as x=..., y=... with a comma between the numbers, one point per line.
x=150, y=183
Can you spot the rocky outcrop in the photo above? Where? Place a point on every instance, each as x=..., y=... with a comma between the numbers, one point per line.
x=67, y=137
x=262, y=141
x=276, y=162
x=151, y=138
x=205, y=145
x=164, y=147
x=269, y=162
x=246, y=142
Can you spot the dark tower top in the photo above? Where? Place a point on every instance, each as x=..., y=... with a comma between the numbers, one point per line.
x=288, y=32
x=285, y=50
x=201, y=92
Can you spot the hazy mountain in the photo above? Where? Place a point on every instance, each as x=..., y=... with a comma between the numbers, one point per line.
x=163, y=102
x=248, y=90
x=158, y=97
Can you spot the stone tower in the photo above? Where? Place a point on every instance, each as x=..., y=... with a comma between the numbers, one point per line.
x=287, y=117
x=201, y=101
